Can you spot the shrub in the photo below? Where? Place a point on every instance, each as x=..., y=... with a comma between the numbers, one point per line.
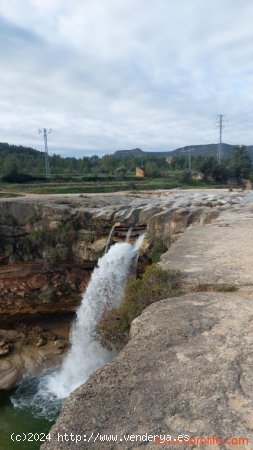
x=25, y=245
x=16, y=177
x=35, y=218
x=156, y=251
x=10, y=220
x=185, y=176
x=132, y=186
x=156, y=284
x=53, y=244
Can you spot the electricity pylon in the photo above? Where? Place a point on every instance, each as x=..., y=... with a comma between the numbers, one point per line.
x=220, y=125
x=45, y=133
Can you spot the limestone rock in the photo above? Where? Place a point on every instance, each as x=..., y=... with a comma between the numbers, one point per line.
x=214, y=253
x=60, y=343
x=5, y=347
x=9, y=335
x=37, y=281
x=7, y=231
x=186, y=370
x=41, y=341
x=9, y=375
x=90, y=251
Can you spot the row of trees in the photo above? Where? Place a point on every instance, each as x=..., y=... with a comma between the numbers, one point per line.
x=238, y=165
x=21, y=160
x=27, y=160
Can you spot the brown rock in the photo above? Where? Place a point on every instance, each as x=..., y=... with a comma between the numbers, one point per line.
x=41, y=341
x=21, y=294
x=60, y=343
x=37, y=281
x=9, y=335
x=5, y=347
x=9, y=375
x=37, y=329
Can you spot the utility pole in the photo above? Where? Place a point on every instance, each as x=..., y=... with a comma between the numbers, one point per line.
x=45, y=133
x=220, y=125
x=189, y=151
x=190, y=159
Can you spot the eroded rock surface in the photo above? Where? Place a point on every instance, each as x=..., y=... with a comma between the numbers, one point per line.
x=188, y=366
x=186, y=370
x=29, y=349
x=29, y=289
x=49, y=245
x=220, y=252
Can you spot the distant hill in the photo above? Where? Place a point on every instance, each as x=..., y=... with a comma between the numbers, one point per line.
x=139, y=153
x=208, y=149
x=9, y=149
x=125, y=153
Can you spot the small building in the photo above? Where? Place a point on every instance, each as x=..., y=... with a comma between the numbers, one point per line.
x=169, y=159
x=197, y=176
x=139, y=172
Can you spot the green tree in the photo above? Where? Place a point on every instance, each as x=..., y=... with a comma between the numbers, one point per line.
x=179, y=162
x=220, y=173
x=152, y=169
x=121, y=171
x=207, y=167
x=10, y=165
x=185, y=176
x=108, y=164
x=240, y=163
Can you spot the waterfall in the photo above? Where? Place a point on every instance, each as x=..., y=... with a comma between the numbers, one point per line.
x=110, y=237
x=105, y=289
x=129, y=234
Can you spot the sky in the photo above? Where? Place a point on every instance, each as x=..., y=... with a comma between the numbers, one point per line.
x=106, y=75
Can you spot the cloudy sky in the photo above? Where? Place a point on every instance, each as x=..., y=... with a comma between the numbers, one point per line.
x=119, y=74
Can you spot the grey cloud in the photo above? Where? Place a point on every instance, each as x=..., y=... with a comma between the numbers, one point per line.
x=125, y=74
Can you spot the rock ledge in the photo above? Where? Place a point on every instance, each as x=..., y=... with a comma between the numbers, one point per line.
x=186, y=370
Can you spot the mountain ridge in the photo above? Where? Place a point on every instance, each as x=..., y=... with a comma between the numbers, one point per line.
x=206, y=149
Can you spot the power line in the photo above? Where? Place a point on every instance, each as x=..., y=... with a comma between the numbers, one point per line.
x=45, y=133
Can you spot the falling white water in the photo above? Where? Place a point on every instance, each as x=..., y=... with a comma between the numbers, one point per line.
x=129, y=231
x=106, y=289
x=110, y=237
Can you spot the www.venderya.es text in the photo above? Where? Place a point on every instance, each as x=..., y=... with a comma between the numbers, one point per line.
x=100, y=437
x=157, y=439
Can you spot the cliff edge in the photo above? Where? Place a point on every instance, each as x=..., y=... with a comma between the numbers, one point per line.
x=187, y=370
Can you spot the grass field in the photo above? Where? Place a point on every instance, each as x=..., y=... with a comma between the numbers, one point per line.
x=79, y=185
x=9, y=195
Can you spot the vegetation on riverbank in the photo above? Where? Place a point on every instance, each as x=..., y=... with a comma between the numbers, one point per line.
x=9, y=195
x=155, y=284
x=107, y=187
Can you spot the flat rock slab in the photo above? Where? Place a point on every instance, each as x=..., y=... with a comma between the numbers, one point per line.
x=186, y=370
x=221, y=252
